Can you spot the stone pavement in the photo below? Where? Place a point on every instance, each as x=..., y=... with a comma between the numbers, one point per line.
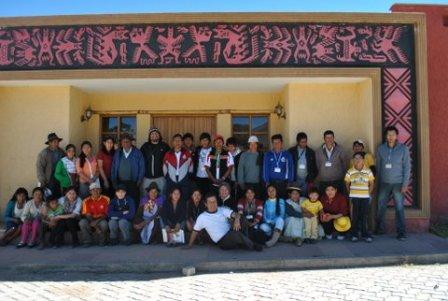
x=385, y=250
x=405, y=282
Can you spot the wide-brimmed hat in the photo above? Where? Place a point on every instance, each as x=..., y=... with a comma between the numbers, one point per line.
x=293, y=188
x=342, y=224
x=52, y=137
x=359, y=142
x=152, y=186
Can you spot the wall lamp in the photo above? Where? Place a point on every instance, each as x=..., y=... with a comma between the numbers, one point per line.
x=88, y=113
x=279, y=110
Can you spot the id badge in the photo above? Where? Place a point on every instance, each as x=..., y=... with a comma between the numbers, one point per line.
x=277, y=169
x=388, y=166
x=250, y=216
x=327, y=164
x=302, y=166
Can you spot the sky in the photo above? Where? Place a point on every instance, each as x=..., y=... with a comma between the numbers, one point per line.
x=71, y=7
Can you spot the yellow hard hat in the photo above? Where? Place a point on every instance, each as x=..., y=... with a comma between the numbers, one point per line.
x=342, y=224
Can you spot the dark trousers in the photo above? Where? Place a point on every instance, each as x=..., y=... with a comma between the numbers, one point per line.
x=339, y=184
x=234, y=240
x=56, y=233
x=184, y=186
x=203, y=185
x=132, y=190
x=71, y=225
x=359, y=216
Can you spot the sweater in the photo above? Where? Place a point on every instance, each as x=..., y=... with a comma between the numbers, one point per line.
x=45, y=166
x=399, y=170
x=248, y=168
x=62, y=175
x=137, y=165
x=278, y=167
x=122, y=209
x=31, y=211
x=97, y=208
x=255, y=209
x=331, y=168
x=153, y=158
x=339, y=204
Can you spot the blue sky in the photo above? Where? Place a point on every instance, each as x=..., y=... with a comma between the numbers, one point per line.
x=67, y=7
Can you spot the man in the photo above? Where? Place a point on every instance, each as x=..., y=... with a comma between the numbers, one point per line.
x=128, y=167
x=278, y=166
x=188, y=143
x=304, y=163
x=219, y=164
x=250, y=167
x=199, y=162
x=177, y=167
x=369, y=160
x=46, y=164
x=331, y=164
x=394, y=171
x=153, y=152
x=235, y=151
x=216, y=222
x=225, y=197
x=94, y=216
x=359, y=181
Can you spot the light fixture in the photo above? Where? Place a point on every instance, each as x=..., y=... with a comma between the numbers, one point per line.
x=88, y=113
x=279, y=110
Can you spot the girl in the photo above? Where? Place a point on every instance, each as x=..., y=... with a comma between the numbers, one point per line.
x=31, y=219
x=72, y=204
x=86, y=167
x=195, y=207
x=104, y=159
x=251, y=212
x=294, y=217
x=65, y=172
x=13, y=213
x=273, y=219
x=173, y=216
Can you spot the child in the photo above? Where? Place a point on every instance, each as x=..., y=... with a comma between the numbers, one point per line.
x=195, y=207
x=273, y=217
x=121, y=212
x=312, y=208
x=294, y=217
x=13, y=212
x=31, y=219
x=51, y=222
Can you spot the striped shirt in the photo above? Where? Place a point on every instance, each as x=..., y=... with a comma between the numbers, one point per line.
x=359, y=182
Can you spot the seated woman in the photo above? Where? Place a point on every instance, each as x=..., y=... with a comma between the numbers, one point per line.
x=147, y=218
x=121, y=212
x=69, y=220
x=273, y=216
x=174, y=217
x=31, y=219
x=294, y=217
x=335, y=206
x=50, y=223
x=13, y=213
x=195, y=207
x=251, y=211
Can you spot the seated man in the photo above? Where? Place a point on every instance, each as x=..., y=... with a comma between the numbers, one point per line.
x=215, y=222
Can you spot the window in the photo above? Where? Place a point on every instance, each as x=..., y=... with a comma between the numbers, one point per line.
x=116, y=125
x=243, y=126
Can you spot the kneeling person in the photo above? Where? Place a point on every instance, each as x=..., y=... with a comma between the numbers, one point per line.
x=216, y=222
x=121, y=212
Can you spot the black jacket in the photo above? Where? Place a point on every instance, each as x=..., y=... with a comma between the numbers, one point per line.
x=153, y=154
x=172, y=217
x=310, y=162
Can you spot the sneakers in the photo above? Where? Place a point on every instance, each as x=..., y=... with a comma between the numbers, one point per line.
x=341, y=237
x=20, y=245
x=329, y=237
x=368, y=239
x=354, y=239
x=299, y=242
x=401, y=237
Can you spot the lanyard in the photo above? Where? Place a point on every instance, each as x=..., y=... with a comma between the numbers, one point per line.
x=326, y=153
x=390, y=154
x=277, y=159
x=301, y=154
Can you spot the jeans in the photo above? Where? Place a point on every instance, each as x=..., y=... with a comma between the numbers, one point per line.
x=87, y=230
x=279, y=223
x=385, y=191
x=125, y=228
x=359, y=216
x=234, y=240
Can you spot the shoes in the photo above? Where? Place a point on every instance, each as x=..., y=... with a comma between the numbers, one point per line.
x=20, y=245
x=401, y=237
x=258, y=247
x=341, y=237
x=31, y=245
x=86, y=245
x=368, y=239
x=379, y=232
x=113, y=242
x=41, y=246
x=299, y=242
x=354, y=239
x=313, y=241
x=329, y=237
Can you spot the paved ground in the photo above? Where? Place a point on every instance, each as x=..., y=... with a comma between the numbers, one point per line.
x=141, y=259
x=407, y=282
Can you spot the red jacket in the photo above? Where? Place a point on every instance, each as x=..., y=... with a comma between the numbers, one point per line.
x=339, y=205
x=96, y=208
x=170, y=165
x=243, y=207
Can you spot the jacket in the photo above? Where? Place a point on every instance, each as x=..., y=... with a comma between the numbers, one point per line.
x=137, y=165
x=62, y=176
x=170, y=165
x=225, y=162
x=338, y=166
x=96, y=208
x=193, y=211
x=118, y=207
x=310, y=156
x=44, y=165
x=285, y=163
x=153, y=155
x=400, y=161
x=256, y=212
x=172, y=217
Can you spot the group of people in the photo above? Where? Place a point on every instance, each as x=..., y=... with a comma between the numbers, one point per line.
x=183, y=194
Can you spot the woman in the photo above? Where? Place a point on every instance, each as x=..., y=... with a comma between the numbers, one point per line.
x=195, y=207
x=13, y=213
x=147, y=218
x=294, y=217
x=65, y=172
x=173, y=217
x=335, y=206
x=273, y=216
x=31, y=219
x=87, y=169
x=251, y=212
x=69, y=220
x=104, y=158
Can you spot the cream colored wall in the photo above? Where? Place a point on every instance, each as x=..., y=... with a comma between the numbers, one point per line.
x=77, y=129
x=344, y=108
x=27, y=115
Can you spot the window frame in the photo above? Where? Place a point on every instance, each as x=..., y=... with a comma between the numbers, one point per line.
x=118, y=133
x=250, y=133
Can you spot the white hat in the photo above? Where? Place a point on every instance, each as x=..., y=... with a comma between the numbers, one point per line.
x=359, y=141
x=95, y=185
x=253, y=139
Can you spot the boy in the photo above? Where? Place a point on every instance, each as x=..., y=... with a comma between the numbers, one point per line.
x=50, y=222
x=121, y=212
x=360, y=182
x=313, y=207
x=199, y=162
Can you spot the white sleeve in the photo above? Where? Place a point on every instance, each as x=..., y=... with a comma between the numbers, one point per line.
x=226, y=212
x=199, y=225
x=208, y=162
x=230, y=160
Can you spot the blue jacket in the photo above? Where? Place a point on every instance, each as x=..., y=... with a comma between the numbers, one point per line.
x=269, y=211
x=117, y=207
x=285, y=163
x=399, y=158
x=9, y=210
x=137, y=165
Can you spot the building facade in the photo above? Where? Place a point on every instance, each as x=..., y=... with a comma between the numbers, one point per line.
x=234, y=74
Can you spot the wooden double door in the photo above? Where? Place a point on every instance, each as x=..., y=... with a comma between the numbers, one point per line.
x=170, y=125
